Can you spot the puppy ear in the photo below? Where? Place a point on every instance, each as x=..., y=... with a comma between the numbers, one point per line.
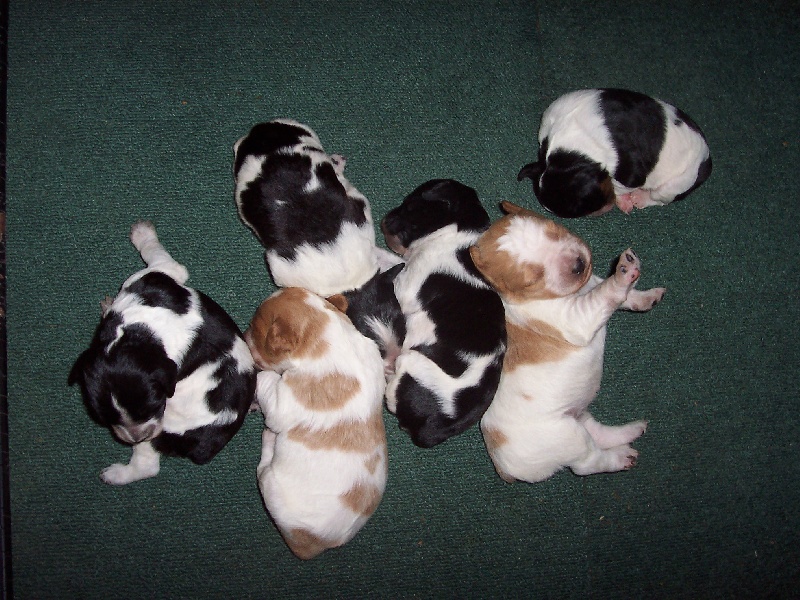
x=165, y=378
x=531, y=171
x=280, y=340
x=510, y=208
x=339, y=301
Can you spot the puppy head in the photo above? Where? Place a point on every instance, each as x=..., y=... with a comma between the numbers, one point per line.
x=432, y=206
x=289, y=325
x=528, y=257
x=125, y=386
x=267, y=138
x=569, y=184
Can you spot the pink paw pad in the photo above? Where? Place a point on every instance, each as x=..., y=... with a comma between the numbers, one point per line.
x=628, y=268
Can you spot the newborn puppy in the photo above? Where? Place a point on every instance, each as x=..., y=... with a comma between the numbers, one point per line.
x=556, y=313
x=450, y=362
x=315, y=226
x=603, y=147
x=167, y=370
x=323, y=461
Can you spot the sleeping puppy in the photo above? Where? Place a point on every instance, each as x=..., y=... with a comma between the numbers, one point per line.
x=167, y=370
x=323, y=464
x=450, y=362
x=556, y=313
x=602, y=147
x=315, y=226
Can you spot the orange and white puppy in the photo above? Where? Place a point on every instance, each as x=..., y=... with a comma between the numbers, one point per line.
x=556, y=315
x=323, y=460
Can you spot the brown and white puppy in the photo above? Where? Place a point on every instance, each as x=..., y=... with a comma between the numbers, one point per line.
x=556, y=314
x=323, y=462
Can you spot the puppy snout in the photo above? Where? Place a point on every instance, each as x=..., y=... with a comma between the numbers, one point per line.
x=579, y=267
x=136, y=434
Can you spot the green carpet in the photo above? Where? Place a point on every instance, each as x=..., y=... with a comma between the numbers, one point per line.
x=119, y=111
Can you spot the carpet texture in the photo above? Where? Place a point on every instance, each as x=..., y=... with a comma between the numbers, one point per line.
x=119, y=111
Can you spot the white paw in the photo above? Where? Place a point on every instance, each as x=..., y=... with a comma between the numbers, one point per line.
x=141, y=233
x=119, y=474
x=624, y=457
x=641, y=301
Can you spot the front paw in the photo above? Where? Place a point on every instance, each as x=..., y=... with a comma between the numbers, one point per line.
x=628, y=269
x=119, y=474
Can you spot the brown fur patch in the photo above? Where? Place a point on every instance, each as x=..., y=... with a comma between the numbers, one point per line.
x=349, y=436
x=536, y=342
x=285, y=325
x=372, y=462
x=362, y=498
x=329, y=392
x=305, y=544
x=607, y=189
x=493, y=437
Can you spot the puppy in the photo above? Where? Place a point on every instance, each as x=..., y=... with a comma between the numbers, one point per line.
x=167, y=370
x=449, y=365
x=602, y=147
x=315, y=226
x=556, y=313
x=323, y=464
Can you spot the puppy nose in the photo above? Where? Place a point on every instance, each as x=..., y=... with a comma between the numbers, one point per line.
x=580, y=266
x=135, y=434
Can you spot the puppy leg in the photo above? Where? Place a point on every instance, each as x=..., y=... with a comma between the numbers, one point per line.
x=606, y=436
x=590, y=310
x=610, y=460
x=387, y=260
x=144, y=463
x=145, y=240
x=268, y=439
x=642, y=301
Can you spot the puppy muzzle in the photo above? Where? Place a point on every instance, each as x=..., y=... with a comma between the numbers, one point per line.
x=136, y=434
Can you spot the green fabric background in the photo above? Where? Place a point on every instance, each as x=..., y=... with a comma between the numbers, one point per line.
x=121, y=110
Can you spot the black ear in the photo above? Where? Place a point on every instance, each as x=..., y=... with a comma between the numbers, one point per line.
x=165, y=377
x=78, y=372
x=531, y=171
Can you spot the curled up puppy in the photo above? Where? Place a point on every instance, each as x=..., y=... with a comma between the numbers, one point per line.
x=556, y=312
x=167, y=369
x=604, y=147
x=449, y=365
x=316, y=227
x=324, y=463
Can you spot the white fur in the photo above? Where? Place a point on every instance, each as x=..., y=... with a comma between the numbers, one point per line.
x=302, y=486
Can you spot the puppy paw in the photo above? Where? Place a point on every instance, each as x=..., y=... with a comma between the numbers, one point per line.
x=105, y=305
x=141, y=233
x=624, y=457
x=640, y=198
x=628, y=269
x=119, y=474
x=339, y=163
x=625, y=203
x=642, y=301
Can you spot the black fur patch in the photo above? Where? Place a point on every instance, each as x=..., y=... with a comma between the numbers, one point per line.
x=376, y=301
x=265, y=139
x=638, y=128
x=158, y=289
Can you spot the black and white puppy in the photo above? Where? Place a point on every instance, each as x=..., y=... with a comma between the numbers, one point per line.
x=602, y=147
x=450, y=363
x=167, y=369
x=315, y=226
